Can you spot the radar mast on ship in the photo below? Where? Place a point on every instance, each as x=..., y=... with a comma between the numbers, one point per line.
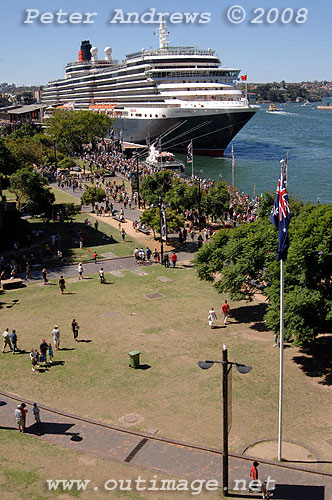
x=163, y=33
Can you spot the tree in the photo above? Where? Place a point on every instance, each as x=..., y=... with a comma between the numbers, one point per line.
x=151, y=218
x=243, y=260
x=24, y=152
x=72, y=129
x=93, y=195
x=30, y=189
x=7, y=160
x=217, y=200
x=155, y=187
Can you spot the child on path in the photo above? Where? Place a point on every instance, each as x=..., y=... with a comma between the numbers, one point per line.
x=50, y=352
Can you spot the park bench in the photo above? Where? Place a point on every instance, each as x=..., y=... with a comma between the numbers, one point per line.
x=144, y=231
x=117, y=218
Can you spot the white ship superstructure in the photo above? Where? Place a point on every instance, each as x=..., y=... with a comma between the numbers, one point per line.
x=176, y=93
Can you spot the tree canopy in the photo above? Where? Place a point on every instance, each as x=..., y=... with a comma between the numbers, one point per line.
x=71, y=129
x=93, y=195
x=151, y=218
x=31, y=191
x=242, y=261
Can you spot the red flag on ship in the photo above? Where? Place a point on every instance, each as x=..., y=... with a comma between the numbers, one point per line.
x=244, y=78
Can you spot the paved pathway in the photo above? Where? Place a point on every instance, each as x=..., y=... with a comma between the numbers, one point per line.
x=180, y=460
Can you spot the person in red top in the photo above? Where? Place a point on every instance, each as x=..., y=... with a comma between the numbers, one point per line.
x=174, y=259
x=225, y=311
x=253, y=475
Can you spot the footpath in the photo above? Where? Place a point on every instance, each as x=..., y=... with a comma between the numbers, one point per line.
x=173, y=458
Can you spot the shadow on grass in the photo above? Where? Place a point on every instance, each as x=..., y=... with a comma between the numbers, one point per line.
x=57, y=363
x=316, y=360
x=8, y=428
x=87, y=341
x=251, y=314
x=143, y=367
x=67, y=349
x=3, y=403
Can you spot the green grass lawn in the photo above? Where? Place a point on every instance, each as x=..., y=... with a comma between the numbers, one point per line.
x=172, y=334
x=95, y=239
x=63, y=197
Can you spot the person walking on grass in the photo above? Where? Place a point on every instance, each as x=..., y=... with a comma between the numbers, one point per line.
x=212, y=317
x=13, y=338
x=56, y=337
x=18, y=417
x=44, y=274
x=74, y=329
x=43, y=350
x=62, y=284
x=174, y=259
x=123, y=234
x=102, y=276
x=80, y=271
x=225, y=311
x=6, y=340
x=95, y=256
x=33, y=358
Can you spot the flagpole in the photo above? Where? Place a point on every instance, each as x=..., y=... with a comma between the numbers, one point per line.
x=281, y=357
x=192, y=160
x=281, y=367
x=233, y=167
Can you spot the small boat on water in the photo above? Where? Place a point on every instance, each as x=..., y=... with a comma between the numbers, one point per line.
x=306, y=103
x=163, y=160
x=273, y=109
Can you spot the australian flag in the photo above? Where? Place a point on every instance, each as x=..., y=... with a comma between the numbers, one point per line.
x=280, y=216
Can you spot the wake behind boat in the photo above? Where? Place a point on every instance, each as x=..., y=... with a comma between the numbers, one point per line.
x=180, y=94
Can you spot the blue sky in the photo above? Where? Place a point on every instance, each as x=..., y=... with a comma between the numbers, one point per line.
x=36, y=53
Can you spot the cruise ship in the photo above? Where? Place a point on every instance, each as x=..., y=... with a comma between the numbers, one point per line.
x=173, y=95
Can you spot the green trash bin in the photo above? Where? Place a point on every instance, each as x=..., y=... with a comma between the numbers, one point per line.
x=134, y=359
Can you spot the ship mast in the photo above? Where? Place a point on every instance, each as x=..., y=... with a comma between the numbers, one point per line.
x=163, y=34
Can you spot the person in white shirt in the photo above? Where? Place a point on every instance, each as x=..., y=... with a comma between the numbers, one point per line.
x=6, y=340
x=102, y=276
x=80, y=271
x=19, y=418
x=212, y=316
x=56, y=337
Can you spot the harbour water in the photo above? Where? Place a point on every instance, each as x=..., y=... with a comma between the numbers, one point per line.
x=303, y=132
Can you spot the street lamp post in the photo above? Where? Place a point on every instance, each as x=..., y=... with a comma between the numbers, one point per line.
x=226, y=368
